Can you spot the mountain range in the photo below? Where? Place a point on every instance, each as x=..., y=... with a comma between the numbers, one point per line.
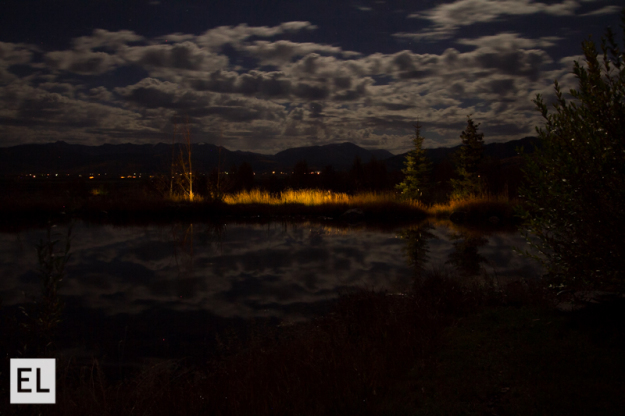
x=62, y=157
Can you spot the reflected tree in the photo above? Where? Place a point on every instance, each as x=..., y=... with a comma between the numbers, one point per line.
x=465, y=256
x=183, y=238
x=44, y=316
x=417, y=248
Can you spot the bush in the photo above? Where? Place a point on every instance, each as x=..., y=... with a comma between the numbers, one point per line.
x=575, y=190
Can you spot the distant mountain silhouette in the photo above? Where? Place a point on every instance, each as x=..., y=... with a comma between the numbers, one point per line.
x=495, y=150
x=381, y=154
x=340, y=156
x=61, y=157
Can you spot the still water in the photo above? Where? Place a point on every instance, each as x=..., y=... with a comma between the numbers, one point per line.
x=167, y=290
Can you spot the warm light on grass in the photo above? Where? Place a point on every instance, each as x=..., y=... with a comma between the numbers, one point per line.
x=465, y=203
x=186, y=198
x=318, y=197
x=381, y=203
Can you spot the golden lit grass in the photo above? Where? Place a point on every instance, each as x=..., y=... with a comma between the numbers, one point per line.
x=485, y=202
x=185, y=198
x=311, y=197
x=377, y=206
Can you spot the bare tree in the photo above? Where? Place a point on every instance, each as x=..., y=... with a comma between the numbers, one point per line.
x=181, y=164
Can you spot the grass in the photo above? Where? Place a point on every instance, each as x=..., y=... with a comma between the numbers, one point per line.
x=522, y=361
x=474, y=209
x=311, y=197
x=470, y=202
x=446, y=347
x=315, y=197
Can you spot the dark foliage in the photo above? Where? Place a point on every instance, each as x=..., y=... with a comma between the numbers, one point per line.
x=416, y=183
x=468, y=162
x=576, y=183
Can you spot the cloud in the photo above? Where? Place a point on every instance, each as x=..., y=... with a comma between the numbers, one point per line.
x=282, y=51
x=604, y=10
x=153, y=93
x=82, y=62
x=234, y=35
x=64, y=88
x=447, y=18
x=186, y=56
x=100, y=94
x=310, y=91
x=510, y=41
x=269, y=85
x=36, y=114
x=258, y=83
x=102, y=38
x=356, y=93
x=289, y=94
x=14, y=53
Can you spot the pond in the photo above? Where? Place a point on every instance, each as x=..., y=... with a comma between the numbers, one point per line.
x=166, y=290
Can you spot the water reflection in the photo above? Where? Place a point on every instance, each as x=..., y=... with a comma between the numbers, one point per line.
x=465, y=257
x=164, y=288
x=417, y=249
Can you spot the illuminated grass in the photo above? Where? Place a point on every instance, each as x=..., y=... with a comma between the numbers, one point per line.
x=482, y=203
x=477, y=205
x=311, y=197
x=185, y=198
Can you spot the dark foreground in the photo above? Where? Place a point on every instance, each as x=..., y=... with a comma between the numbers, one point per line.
x=444, y=348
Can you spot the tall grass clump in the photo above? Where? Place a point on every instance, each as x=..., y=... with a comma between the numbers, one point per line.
x=311, y=197
x=482, y=203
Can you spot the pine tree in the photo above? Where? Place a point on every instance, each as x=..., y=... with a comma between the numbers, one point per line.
x=468, y=162
x=416, y=183
x=575, y=191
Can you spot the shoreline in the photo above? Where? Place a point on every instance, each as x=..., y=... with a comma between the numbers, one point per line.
x=23, y=210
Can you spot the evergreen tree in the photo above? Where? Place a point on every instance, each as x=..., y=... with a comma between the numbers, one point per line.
x=575, y=190
x=416, y=183
x=468, y=162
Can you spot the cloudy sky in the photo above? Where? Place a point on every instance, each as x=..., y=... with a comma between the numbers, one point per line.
x=266, y=75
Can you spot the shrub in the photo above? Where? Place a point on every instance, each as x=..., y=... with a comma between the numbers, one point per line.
x=575, y=190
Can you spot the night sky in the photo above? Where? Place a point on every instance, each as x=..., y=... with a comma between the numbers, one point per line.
x=264, y=75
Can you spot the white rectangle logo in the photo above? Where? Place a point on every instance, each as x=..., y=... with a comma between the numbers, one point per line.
x=33, y=380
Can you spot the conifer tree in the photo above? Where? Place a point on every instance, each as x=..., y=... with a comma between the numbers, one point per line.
x=468, y=162
x=416, y=183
